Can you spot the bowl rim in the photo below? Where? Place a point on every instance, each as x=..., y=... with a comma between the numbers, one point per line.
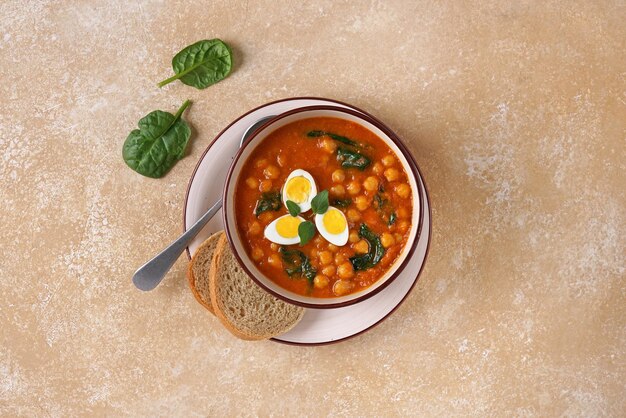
x=414, y=172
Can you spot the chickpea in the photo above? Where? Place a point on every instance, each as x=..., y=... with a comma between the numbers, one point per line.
x=329, y=271
x=274, y=261
x=338, y=176
x=345, y=270
x=254, y=228
x=387, y=239
x=361, y=203
x=402, y=212
x=252, y=182
x=354, y=188
x=313, y=253
x=274, y=246
x=271, y=172
x=266, y=217
x=403, y=190
x=353, y=215
x=378, y=168
x=402, y=226
x=353, y=237
x=361, y=247
x=397, y=237
x=281, y=160
x=371, y=184
x=328, y=145
x=320, y=281
x=338, y=190
x=333, y=248
x=339, y=259
x=388, y=160
x=265, y=186
x=326, y=257
x=392, y=174
x=318, y=241
x=257, y=253
x=342, y=287
x=262, y=163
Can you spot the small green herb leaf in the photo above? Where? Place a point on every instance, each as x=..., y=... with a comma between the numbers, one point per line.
x=297, y=264
x=341, y=203
x=159, y=142
x=269, y=201
x=339, y=138
x=319, y=204
x=201, y=64
x=375, y=253
x=392, y=219
x=352, y=159
x=293, y=208
x=306, y=231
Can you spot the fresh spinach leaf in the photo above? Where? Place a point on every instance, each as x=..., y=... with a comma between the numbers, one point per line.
x=269, y=201
x=319, y=204
x=159, y=142
x=341, y=203
x=375, y=253
x=352, y=159
x=293, y=208
x=306, y=231
x=339, y=138
x=298, y=264
x=201, y=64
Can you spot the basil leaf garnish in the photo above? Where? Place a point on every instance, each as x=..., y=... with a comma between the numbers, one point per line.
x=306, y=231
x=319, y=204
x=293, y=208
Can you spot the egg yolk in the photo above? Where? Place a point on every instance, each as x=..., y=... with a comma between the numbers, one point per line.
x=334, y=221
x=287, y=227
x=298, y=189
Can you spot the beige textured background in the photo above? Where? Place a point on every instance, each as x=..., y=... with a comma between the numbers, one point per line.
x=515, y=111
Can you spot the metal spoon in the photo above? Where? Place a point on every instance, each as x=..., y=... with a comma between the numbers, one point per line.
x=148, y=276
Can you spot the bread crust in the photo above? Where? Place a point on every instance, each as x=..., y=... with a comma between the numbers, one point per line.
x=190, y=276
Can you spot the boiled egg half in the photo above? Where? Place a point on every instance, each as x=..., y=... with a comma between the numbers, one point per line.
x=284, y=230
x=300, y=188
x=333, y=226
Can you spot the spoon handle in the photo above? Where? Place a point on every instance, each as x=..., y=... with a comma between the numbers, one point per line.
x=148, y=276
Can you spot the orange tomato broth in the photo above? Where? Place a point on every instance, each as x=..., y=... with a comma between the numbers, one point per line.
x=289, y=148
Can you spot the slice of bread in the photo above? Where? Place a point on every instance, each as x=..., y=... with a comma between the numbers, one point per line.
x=245, y=309
x=198, y=271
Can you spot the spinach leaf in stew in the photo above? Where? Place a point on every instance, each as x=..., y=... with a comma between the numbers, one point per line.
x=298, y=264
x=269, y=201
x=374, y=254
x=352, y=159
x=338, y=138
x=341, y=203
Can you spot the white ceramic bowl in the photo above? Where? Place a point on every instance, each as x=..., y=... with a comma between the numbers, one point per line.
x=230, y=222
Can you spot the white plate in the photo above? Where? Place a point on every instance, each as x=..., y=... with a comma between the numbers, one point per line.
x=318, y=326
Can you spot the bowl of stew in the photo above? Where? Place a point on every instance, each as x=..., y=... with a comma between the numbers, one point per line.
x=322, y=206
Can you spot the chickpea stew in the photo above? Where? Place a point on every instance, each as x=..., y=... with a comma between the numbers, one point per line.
x=323, y=207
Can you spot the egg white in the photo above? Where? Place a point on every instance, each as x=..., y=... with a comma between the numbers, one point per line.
x=304, y=206
x=339, y=239
x=272, y=234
